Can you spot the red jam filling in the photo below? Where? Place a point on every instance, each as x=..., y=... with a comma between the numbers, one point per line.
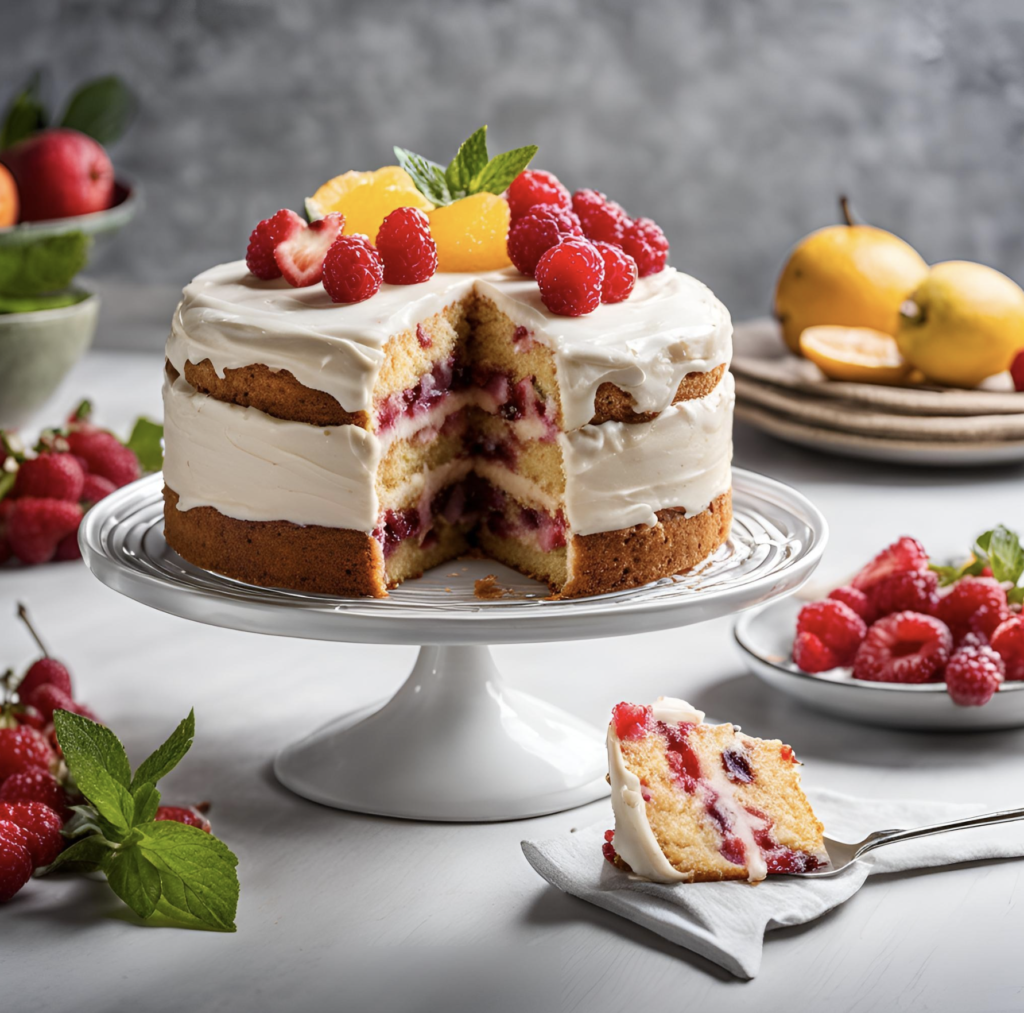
x=631, y=720
x=682, y=760
x=737, y=766
x=778, y=857
x=425, y=340
x=433, y=387
x=788, y=754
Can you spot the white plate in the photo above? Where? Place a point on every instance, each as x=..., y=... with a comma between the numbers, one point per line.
x=765, y=637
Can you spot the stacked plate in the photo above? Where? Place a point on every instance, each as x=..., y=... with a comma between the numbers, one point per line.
x=791, y=398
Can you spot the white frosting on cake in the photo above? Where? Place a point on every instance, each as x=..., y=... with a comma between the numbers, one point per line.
x=619, y=474
x=670, y=325
x=635, y=841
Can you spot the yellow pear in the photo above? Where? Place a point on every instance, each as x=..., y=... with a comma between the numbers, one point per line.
x=849, y=275
x=963, y=323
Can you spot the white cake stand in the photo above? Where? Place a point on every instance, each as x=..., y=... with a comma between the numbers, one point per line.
x=456, y=743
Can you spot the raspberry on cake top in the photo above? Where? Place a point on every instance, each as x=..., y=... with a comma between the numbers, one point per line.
x=329, y=430
x=695, y=802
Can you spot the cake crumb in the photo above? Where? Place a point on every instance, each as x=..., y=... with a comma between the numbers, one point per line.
x=487, y=588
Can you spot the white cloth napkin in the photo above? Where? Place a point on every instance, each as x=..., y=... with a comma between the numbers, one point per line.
x=726, y=922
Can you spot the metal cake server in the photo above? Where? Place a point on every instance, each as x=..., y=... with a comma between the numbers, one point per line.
x=842, y=855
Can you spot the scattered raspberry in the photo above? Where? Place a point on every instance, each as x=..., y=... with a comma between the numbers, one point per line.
x=602, y=220
x=353, y=270
x=41, y=826
x=36, y=785
x=532, y=235
x=836, y=625
x=904, y=647
x=47, y=699
x=15, y=860
x=105, y=455
x=264, y=240
x=51, y=476
x=570, y=276
x=23, y=748
x=644, y=241
x=904, y=554
x=68, y=548
x=965, y=597
x=905, y=591
x=191, y=817
x=811, y=655
x=535, y=186
x=42, y=672
x=609, y=852
x=36, y=526
x=300, y=257
x=407, y=248
x=1008, y=642
x=1017, y=371
x=95, y=488
x=973, y=675
x=630, y=720
x=857, y=600
x=620, y=273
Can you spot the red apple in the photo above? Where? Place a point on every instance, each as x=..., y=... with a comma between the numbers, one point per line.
x=60, y=173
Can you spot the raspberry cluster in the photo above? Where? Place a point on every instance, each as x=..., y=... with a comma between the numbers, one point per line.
x=351, y=268
x=35, y=796
x=893, y=623
x=44, y=494
x=571, y=282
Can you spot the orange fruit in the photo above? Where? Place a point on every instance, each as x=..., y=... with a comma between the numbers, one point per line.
x=366, y=198
x=8, y=198
x=857, y=354
x=472, y=233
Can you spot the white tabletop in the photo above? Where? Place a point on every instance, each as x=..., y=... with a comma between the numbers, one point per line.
x=343, y=911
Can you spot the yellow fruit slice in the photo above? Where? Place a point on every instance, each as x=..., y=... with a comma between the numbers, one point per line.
x=857, y=354
x=366, y=198
x=471, y=234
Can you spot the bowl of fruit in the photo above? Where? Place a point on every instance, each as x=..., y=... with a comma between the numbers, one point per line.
x=58, y=196
x=906, y=643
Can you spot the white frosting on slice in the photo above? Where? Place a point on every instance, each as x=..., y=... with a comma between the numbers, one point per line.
x=634, y=839
x=669, y=326
x=618, y=475
x=255, y=467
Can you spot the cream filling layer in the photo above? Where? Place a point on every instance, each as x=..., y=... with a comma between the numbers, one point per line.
x=618, y=475
x=669, y=326
x=635, y=841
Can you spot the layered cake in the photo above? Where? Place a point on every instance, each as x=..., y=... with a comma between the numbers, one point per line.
x=696, y=802
x=343, y=447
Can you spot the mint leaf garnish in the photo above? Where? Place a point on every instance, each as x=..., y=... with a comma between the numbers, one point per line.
x=134, y=879
x=145, y=441
x=502, y=169
x=1005, y=555
x=85, y=855
x=7, y=480
x=102, y=108
x=163, y=760
x=83, y=412
x=147, y=801
x=428, y=176
x=25, y=114
x=197, y=873
x=43, y=266
x=470, y=160
x=99, y=765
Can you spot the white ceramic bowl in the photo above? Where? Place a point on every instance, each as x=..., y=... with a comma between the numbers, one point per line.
x=765, y=638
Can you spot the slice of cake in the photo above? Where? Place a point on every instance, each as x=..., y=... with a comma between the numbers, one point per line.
x=695, y=802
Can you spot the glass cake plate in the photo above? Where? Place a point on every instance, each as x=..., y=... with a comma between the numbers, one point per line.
x=455, y=743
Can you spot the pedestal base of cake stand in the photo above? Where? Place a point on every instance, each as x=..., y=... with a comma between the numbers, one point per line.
x=453, y=744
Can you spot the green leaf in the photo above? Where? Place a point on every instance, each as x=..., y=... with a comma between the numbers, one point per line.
x=7, y=480
x=85, y=855
x=102, y=108
x=428, y=176
x=145, y=442
x=950, y=574
x=35, y=303
x=163, y=760
x=1015, y=596
x=25, y=114
x=501, y=170
x=1005, y=555
x=134, y=879
x=147, y=801
x=199, y=884
x=99, y=765
x=83, y=412
x=469, y=161
x=44, y=265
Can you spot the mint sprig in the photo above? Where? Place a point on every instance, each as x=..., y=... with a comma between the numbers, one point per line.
x=1000, y=550
x=162, y=870
x=146, y=441
x=470, y=171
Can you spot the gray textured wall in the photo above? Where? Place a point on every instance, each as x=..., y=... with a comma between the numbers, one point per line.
x=733, y=122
